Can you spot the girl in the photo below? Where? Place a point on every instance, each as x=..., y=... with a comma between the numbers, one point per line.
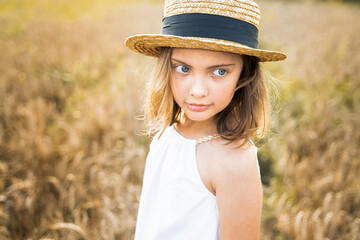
x=207, y=99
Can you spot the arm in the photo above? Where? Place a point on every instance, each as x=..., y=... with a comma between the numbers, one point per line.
x=239, y=195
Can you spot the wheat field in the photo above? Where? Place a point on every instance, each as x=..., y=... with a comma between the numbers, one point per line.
x=72, y=158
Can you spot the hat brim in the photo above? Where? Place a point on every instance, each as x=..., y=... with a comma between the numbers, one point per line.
x=148, y=44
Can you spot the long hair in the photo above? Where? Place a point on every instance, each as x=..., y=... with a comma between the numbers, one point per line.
x=245, y=117
x=160, y=106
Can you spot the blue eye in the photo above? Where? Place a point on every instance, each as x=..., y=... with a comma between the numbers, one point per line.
x=182, y=69
x=220, y=72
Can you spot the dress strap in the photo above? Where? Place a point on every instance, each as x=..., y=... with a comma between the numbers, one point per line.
x=208, y=138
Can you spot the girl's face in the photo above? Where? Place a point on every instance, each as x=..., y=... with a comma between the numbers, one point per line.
x=203, y=82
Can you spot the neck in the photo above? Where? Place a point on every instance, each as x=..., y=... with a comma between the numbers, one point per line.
x=195, y=129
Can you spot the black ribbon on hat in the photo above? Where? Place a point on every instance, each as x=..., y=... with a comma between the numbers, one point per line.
x=211, y=26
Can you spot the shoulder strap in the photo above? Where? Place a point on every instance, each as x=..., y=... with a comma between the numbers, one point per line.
x=208, y=138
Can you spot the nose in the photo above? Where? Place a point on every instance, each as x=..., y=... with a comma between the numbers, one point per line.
x=198, y=86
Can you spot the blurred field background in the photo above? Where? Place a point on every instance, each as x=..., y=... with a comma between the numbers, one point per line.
x=71, y=163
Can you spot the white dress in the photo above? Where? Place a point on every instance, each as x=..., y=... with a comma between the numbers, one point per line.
x=174, y=202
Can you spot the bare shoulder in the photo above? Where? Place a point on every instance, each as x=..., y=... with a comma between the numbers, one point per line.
x=238, y=190
x=242, y=161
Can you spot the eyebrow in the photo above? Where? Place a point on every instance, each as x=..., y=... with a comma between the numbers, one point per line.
x=213, y=66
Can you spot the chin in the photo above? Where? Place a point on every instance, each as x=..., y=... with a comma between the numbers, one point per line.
x=199, y=117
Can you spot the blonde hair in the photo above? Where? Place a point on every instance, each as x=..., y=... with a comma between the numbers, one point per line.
x=244, y=118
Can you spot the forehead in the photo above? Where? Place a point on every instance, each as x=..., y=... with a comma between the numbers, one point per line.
x=205, y=56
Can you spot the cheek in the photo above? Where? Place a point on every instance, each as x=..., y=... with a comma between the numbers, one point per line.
x=176, y=90
x=172, y=87
x=224, y=97
x=226, y=93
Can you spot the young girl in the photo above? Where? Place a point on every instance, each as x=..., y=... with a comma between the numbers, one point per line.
x=207, y=99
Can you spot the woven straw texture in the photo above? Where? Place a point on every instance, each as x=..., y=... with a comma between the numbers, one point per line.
x=148, y=44
x=245, y=10
x=206, y=139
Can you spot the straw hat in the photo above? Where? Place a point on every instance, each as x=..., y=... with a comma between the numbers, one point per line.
x=219, y=25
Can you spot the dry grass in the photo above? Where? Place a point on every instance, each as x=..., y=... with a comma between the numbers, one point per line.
x=71, y=166
x=315, y=193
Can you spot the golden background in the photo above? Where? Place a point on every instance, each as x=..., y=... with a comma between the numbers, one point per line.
x=71, y=163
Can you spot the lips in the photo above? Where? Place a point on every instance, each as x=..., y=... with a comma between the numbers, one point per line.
x=197, y=107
